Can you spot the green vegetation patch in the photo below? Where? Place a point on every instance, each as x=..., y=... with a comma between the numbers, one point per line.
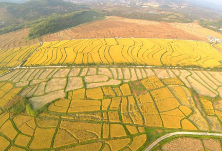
x=61, y=22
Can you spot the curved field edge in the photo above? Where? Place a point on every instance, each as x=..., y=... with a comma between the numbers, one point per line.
x=113, y=104
x=152, y=52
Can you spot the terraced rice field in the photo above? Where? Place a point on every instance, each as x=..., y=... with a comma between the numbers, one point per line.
x=18, y=38
x=106, y=108
x=15, y=56
x=151, y=52
x=218, y=47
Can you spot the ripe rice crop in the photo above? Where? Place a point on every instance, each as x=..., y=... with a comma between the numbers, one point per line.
x=123, y=51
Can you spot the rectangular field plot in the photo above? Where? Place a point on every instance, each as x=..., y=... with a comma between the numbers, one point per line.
x=96, y=108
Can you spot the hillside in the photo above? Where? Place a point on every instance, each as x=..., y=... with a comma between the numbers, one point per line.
x=35, y=9
x=19, y=16
x=58, y=23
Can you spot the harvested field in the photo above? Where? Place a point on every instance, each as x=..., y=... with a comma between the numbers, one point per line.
x=16, y=39
x=55, y=84
x=41, y=89
x=122, y=27
x=74, y=83
x=199, y=88
x=197, y=30
x=161, y=74
x=95, y=79
x=61, y=73
x=74, y=72
x=113, y=27
x=212, y=144
x=179, y=144
x=110, y=82
x=39, y=102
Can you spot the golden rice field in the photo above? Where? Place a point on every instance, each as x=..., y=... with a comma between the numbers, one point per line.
x=133, y=51
x=13, y=57
x=106, y=108
x=218, y=47
x=45, y=106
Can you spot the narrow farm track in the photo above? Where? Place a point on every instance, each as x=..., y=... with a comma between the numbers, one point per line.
x=181, y=133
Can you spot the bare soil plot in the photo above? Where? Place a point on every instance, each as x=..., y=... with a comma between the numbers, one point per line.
x=138, y=73
x=203, y=81
x=126, y=73
x=45, y=74
x=182, y=143
x=40, y=90
x=120, y=73
x=122, y=27
x=133, y=74
x=92, y=71
x=212, y=144
x=199, y=88
x=37, y=81
x=95, y=78
x=114, y=73
x=27, y=75
x=105, y=71
x=143, y=72
x=161, y=73
x=206, y=80
x=74, y=83
x=39, y=102
x=220, y=91
x=110, y=82
x=197, y=30
x=171, y=74
x=74, y=72
x=84, y=72
x=61, y=73
x=16, y=39
x=55, y=84
x=22, y=84
x=149, y=72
